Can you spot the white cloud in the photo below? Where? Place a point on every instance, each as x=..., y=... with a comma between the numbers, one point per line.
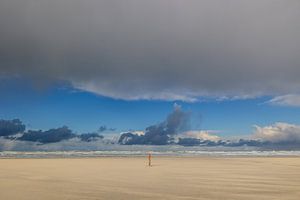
x=121, y=93
x=139, y=132
x=203, y=135
x=286, y=100
x=278, y=133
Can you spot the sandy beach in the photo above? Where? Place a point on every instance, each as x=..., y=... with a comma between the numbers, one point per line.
x=168, y=178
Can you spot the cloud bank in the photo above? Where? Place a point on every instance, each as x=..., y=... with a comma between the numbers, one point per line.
x=279, y=133
x=170, y=50
x=15, y=130
x=173, y=131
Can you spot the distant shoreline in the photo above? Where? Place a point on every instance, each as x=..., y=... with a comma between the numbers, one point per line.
x=130, y=154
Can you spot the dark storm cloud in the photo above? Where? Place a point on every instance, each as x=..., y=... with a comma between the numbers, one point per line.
x=50, y=136
x=161, y=133
x=89, y=137
x=156, y=49
x=11, y=127
x=57, y=135
x=104, y=128
x=189, y=141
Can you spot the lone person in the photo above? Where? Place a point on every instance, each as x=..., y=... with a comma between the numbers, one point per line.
x=149, y=159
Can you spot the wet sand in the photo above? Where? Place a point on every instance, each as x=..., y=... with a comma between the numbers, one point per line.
x=169, y=178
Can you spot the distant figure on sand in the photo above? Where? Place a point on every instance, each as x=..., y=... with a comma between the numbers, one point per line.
x=149, y=159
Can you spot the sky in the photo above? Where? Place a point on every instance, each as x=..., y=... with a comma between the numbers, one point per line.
x=233, y=64
x=84, y=112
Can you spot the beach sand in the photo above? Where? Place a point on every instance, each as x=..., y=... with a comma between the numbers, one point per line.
x=169, y=178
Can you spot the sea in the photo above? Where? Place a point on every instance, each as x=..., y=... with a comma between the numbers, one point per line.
x=144, y=150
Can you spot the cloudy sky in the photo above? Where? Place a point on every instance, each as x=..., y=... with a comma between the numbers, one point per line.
x=234, y=64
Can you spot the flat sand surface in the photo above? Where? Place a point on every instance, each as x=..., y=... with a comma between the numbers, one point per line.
x=168, y=178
